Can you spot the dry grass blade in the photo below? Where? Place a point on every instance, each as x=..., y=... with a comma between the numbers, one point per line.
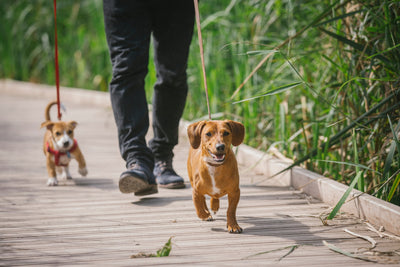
x=278, y=90
x=368, y=238
x=254, y=71
x=343, y=252
x=381, y=233
x=373, y=229
x=292, y=248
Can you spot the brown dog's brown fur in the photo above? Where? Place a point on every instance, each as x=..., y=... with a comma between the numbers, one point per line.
x=56, y=131
x=212, y=170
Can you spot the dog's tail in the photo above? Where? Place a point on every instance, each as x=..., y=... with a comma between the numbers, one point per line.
x=47, y=110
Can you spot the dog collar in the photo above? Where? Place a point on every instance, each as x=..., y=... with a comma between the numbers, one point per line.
x=57, y=154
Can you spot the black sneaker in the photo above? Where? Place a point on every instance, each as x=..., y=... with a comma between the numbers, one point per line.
x=138, y=179
x=166, y=176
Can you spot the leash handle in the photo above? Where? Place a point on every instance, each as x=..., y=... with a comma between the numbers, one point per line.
x=56, y=61
x=196, y=9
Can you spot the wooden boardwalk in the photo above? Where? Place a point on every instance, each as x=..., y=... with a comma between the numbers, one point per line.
x=88, y=222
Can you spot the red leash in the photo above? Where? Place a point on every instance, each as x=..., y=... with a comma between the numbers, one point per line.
x=56, y=61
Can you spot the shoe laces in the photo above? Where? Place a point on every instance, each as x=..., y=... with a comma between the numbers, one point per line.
x=164, y=167
x=135, y=166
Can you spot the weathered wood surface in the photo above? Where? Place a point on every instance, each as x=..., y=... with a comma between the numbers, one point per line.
x=89, y=222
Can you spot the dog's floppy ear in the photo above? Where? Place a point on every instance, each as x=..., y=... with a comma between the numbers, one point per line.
x=194, y=133
x=73, y=124
x=237, y=132
x=48, y=124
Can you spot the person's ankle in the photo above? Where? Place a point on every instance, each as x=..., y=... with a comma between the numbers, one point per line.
x=166, y=176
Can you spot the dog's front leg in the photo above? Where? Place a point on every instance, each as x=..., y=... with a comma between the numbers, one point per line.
x=81, y=162
x=51, y=170
x=201, y=207
x=214, y=204
x=233, y=200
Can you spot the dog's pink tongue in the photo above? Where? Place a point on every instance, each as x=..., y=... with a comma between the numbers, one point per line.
x=220, y=156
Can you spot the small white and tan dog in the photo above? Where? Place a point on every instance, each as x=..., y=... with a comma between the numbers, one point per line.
x=59, y=147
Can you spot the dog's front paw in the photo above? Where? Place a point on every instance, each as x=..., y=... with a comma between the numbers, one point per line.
x=65, y=175
x=207, y=217
x=83, y=171
x=52, y=181
x=234, y=229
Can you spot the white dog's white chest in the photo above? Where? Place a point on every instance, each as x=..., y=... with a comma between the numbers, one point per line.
x=64, y=159
x=211, y=172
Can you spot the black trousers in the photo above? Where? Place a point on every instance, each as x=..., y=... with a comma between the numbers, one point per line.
x=129, y=25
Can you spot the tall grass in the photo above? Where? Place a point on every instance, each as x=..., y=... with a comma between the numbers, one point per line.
x=326, y=93
x=27, y=42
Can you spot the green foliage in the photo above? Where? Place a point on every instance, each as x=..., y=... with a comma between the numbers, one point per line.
x=27, y=43
x=326, y=93
x=165, y=250
x=344, y=197
x=323, y=97
x=162, y=252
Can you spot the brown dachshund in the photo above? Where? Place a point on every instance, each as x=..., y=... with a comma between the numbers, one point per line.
x=213, y=169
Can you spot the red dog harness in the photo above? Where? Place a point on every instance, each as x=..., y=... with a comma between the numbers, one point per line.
x=57, y=154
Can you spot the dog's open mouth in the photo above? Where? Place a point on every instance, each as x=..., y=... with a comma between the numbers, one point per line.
x=218, y=158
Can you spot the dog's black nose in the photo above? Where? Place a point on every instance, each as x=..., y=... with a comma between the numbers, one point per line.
x=66, y=143
x=220, y=147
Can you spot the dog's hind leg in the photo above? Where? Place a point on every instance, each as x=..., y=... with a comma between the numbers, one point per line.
x=62, y=172
x=67, y=173
x=51, y=169
x=214, y=204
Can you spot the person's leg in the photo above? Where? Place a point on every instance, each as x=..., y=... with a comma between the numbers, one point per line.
x=172, y=32
x=128, y=31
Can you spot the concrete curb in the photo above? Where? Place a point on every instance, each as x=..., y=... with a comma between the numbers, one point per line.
x=364, y=206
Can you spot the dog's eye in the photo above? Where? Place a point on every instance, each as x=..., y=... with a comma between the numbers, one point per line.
x=69, y=132
x=58, y=133
x=208, y=134
x=226, y=133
